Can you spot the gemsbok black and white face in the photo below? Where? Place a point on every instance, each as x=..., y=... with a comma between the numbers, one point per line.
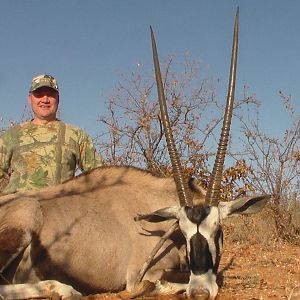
x=204, y=238
x=201, y=226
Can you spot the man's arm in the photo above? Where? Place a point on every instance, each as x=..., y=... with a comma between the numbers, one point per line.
x=5, y=156
x=89, y=158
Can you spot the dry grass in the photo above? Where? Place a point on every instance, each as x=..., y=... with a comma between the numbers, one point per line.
x=260, y=228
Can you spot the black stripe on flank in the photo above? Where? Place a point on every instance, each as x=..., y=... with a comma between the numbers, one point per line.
x=200, y=256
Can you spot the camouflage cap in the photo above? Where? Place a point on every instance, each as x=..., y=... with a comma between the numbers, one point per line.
x=43, y=80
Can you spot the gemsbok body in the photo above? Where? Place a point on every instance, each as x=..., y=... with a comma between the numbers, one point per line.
x=97, y=232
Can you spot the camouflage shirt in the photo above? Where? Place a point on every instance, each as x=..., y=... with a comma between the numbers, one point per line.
x=38, y=156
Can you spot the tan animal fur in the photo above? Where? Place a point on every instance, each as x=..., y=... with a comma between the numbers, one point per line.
x=84, y=233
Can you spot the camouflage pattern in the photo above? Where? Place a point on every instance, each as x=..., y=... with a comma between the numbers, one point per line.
x=38, y=156
x=43, y=80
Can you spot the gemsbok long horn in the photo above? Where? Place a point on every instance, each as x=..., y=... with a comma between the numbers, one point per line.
x=214, y=187
x=181, y=183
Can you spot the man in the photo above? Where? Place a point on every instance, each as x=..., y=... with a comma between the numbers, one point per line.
x=44, y=151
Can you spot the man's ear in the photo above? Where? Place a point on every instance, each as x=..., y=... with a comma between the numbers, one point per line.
x=29, y=99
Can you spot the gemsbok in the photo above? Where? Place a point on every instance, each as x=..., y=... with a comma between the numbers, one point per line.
x=118, y=228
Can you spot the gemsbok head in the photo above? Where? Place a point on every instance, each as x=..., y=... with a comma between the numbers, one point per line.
x=201, y=224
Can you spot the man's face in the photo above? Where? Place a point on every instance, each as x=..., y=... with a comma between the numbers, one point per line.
x=44, y=103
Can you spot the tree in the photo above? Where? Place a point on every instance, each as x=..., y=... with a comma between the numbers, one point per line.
x=133, y=132
x=275, y=167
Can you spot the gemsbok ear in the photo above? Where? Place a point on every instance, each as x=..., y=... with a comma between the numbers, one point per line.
x=245, y=205
x=160, y=215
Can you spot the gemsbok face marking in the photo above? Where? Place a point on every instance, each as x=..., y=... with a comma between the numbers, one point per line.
x=202, y=228
x=106, y=230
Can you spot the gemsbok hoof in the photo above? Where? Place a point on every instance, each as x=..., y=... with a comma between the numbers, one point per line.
x=142, y=289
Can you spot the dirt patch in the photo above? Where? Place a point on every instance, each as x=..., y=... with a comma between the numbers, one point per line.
x=252, y=271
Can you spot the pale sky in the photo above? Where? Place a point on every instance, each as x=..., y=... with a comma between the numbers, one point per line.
x=86, y=43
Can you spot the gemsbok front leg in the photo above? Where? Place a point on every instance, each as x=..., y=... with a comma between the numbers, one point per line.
x=20, y=220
